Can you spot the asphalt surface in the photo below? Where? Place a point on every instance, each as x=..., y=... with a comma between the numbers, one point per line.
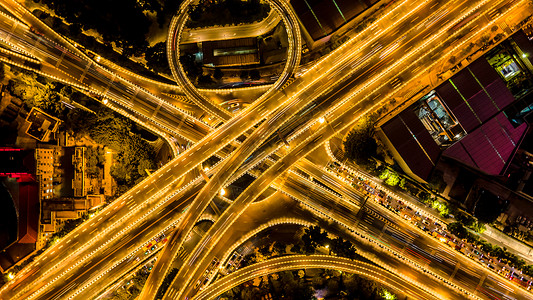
x=181, y=165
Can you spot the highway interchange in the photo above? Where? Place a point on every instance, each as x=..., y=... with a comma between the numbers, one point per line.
x=175, y=195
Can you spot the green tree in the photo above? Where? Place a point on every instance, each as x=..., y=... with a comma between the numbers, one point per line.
x=360, y=145
x=279, y=247
x=254, y=75
x=156, y=58
x=218, y=73
x=488, y=207
x=244, y=75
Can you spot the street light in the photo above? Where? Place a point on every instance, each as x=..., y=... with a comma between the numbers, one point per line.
x=206, y=168
x=105, y=101
x=321, y=120
x=222, y=192
x=10, y=276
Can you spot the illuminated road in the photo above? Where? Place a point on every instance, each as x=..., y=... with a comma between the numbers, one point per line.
x=74, y=66
x=398, y=234
x=298, y=262
x=288, y=108
x=175, y=32
x=320, y=135
x=82, y=61
x=161, y=184
x=234, y=32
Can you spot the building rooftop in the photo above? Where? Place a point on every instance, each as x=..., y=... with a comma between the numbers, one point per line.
x=28, y=212
x=235, y=52
x=462, y=119
x=41, y=124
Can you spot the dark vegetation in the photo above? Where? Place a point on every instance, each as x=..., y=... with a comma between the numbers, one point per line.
x=156, y=58
x=360, y=145
x=488, y=207
x=122, y=23
x=102, y=125
x=313, y=238
x=461, y=232
x=226, y=12
x=303, y=285
x=107, y=128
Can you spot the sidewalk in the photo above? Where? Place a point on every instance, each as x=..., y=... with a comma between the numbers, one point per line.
x=491, y=234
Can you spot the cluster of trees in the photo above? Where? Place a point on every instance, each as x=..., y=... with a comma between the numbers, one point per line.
x=315, y=237
x=36, y=90
x=461, y=232
x=124, y=23
x=350, y=286
x=133, y=287
x=296, y=285
x=94, y=160
x=105, y=127
x=226, y=12
x=360, y=145
x=392, y=178
x=156, y=58
x=121, y=21
x=283, y=285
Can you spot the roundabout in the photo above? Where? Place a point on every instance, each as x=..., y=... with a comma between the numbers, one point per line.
x=177, y=25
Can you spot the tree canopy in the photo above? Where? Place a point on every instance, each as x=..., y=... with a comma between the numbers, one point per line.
x=488, y=207
x=109, y=129
x=359, y=144
x=120, y=21
x=226, y=12
x=156, y=58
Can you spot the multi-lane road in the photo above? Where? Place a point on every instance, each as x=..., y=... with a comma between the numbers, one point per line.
x=270, y=266
x=398, y=40
x=319, y=136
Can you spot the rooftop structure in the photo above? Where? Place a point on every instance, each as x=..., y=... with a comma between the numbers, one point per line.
x=236, y=52
x=41, y=124
x=465, y=117
x=321, y=18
